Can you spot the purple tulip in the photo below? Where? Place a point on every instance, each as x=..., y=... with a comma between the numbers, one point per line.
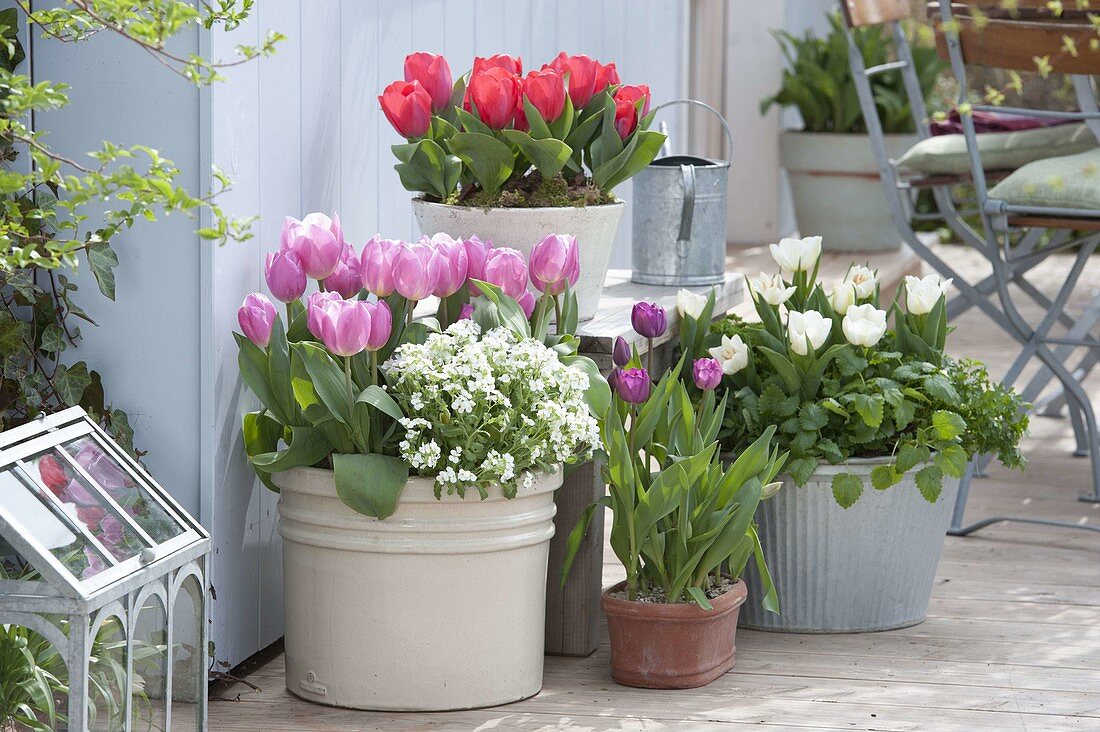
x=256, y=318
x=466, y=312
x=613, y=379
x=527, y=302
x=554, y=261
x=506, y=269
x=416, y=269
x=317, y=240
x=346, y=278
x=707, y=373
x=632, y=385
x=345, y=325
x=477, y=251
x=381, y=324
x=649, y=319
x=376, y=265
x=315, y=306
x=453, y=276
x=620, y=355
x=284, y=274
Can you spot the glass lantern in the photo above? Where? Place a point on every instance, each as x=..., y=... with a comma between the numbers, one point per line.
x=104, y=575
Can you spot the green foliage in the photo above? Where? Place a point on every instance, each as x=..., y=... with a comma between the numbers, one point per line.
x=818, y=79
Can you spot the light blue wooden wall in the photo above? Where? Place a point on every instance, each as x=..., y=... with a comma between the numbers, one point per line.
x=302, y=131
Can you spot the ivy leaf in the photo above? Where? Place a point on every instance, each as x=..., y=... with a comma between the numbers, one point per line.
x=847, y=489
x=70, y=382
x=947, y=425
x=103, y=260
x=884, y=476
x=53, y=339
x=930, y=482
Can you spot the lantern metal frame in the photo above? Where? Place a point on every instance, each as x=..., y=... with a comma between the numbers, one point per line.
x=121, y=590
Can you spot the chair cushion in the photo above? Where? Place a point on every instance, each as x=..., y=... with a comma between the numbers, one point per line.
x=1067, y=181
x=946, y=154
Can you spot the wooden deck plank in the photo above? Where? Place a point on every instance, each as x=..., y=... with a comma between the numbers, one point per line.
x=1012, y=641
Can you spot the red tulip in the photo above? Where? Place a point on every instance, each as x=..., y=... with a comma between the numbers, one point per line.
x=434, y=74
x=499, y=61
x=408, y=107
x=546, y=91
x=582, y=76
x=606, y=75
x=634, y=93
x=494, y=93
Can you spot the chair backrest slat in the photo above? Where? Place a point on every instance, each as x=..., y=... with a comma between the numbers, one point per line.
x=875, y=12
x=1024, y=45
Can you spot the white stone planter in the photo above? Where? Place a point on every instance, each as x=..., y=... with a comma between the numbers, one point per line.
x=837, y=191
x=864, y=568
x=522, y=228
x=440, y=606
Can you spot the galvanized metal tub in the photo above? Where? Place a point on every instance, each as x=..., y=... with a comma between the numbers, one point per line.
x=865, y=568
x=679, y=217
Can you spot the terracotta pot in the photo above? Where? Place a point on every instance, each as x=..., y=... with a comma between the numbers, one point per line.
x=671, y=646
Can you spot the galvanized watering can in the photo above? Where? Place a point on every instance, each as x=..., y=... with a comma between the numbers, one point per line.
x=679, y=217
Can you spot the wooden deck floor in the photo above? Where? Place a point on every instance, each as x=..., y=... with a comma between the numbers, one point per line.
x=1012, y=639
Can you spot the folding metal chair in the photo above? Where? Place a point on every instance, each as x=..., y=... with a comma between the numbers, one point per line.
x=1011, y=240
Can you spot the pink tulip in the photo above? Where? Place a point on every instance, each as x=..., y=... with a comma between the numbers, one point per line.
x=408, y=107
x=453, y=276
x=505, y=268
x=476, y=253
x=317, y=240
x=346, y=278
x=606, y=75
x=416, y=269
x=284, y=274
x=466, y=312
x=527, y=302
x=434, y=74
x=381, y=325
x=376, y=265
x=554, y=261
x=494, y=92
x=582, y=72
x=500, y=61
x=315, y=307
x=256, y=318
x=345, y=325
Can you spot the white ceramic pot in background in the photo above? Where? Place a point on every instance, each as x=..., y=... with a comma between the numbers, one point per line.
x=523, y=228
x=849, y=570
x=440, y=606
x=836, y=189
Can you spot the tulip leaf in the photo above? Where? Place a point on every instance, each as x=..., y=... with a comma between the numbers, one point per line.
x=428, y=168
x=252, y=363
x=609, y=143
x=458, y=93
x=598, y=394
x=548, y=155
x=539, y=129
x=261, y=434
x=510, y=313
x=328, y=380
x=470, y=122
x=579, y=137
x=560, y=128
x=370, y=484
x=576, y=536
x=377, y=397
x=490, y=159
x=278, y=371
x=307, y=447
x=646, y=146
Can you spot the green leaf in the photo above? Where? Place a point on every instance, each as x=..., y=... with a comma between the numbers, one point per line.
x=261, y=434
x=489, y=159
x=510, y=313
x=370, y=484
x=847, y=489
x=930, y=482
x=644, y=148
x=328, y=380
x=884, y=476
x=800, y=469
x=700, y=598
x=869, y=408
x=910, y=456
x=539, y=129
x=548, y=155
x=378, y=398
x=951, y=460
x=812, y=417
x=102, y=260
x=598, y=394
x=308, y=446
x=70, y=382
x=948, y=425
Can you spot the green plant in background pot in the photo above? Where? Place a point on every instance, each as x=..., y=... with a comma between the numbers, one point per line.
x=880, y=424
x=832, y=171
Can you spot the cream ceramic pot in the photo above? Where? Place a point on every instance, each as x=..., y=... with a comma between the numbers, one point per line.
x=523, y=228
x=440, y=606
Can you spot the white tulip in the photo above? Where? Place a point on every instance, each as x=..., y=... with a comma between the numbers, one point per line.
x=772, y=289
x=733, y=354
x=809, y=326
x=688, y=303
x=783, y=315
x=864, y=325
x=863, y=279
x=842, y=297
x=797, y=255
x=922, y=294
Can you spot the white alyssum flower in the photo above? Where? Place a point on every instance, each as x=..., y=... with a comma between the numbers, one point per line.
x=486, y=410
x=842, y=297
x=864, y=325
x=690, y=304
x=864, y=279
x=922, y=293
x=809, y=326
x=772, y=289
x=797, y=255
x=733, y=354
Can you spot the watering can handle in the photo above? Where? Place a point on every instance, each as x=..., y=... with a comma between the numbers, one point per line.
x=687, y=211
x=712, y=110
